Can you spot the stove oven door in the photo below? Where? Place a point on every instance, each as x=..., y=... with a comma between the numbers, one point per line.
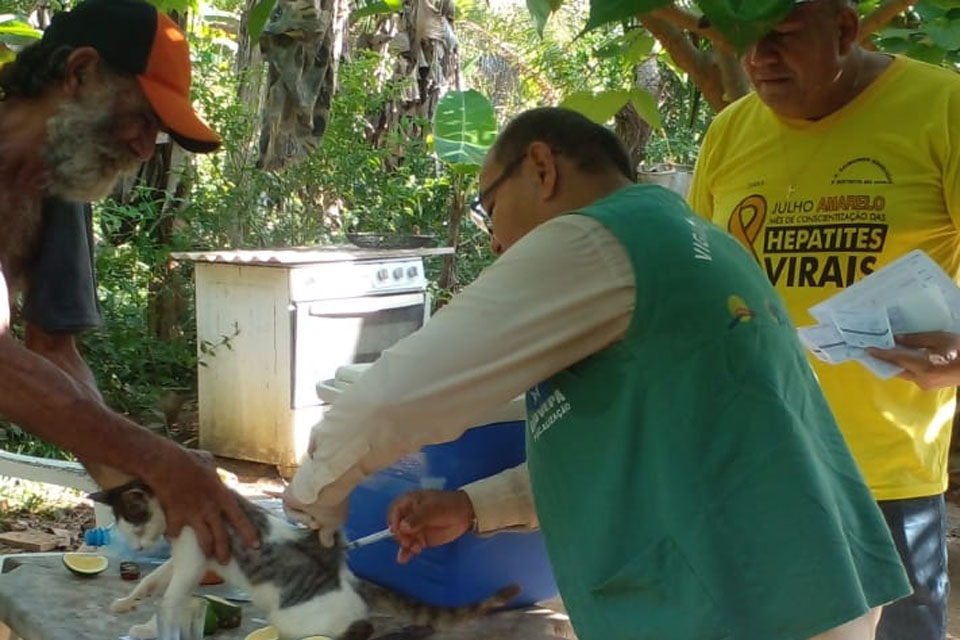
x=328, y=334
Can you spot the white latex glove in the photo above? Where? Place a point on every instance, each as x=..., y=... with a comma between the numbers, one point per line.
x=318, y=496
x=325, y=520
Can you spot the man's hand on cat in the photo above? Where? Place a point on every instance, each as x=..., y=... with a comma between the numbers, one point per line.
x=193, y=496
x=428, y=518
x=325, y=520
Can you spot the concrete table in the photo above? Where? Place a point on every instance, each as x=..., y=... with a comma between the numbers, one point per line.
x=42, y=600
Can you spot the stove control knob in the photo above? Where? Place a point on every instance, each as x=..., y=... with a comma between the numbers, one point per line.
x=382, y=275
x=398, y=273
x=412, y=272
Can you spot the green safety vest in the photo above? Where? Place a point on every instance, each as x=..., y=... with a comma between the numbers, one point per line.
x=690, y=480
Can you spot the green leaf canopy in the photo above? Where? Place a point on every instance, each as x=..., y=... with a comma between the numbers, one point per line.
x=464, y=128
x=601, y=107
x=540, y=10
x=257, y=19
x=14, y=31
x=742, y=22
x=605, y=11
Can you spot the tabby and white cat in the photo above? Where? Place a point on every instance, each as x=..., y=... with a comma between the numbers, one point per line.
x=305, y=588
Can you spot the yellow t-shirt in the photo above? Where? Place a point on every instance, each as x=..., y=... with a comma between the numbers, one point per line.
x=822, y=204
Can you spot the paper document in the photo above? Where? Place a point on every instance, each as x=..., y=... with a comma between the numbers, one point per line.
x=825, y=341
x=909, y=295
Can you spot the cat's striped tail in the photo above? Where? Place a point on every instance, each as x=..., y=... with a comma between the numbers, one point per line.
x=422, y=614
x=359, y=630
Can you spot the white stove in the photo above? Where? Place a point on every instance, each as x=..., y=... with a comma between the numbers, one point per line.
x=352, y=279
x=291, y=318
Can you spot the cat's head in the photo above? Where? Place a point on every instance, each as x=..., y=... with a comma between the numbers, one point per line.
x=137, y=511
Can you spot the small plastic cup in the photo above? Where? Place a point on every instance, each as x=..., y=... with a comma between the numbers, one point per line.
x=186, y=624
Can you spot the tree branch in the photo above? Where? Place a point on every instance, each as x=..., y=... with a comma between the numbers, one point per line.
x=736, y=84
x=690, y=22
x=881, y=16
x=688, y=57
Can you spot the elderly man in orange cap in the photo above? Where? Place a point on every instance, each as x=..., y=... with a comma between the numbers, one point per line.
x=77, y=109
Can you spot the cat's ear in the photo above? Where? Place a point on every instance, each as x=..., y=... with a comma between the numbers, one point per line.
x=99, y=496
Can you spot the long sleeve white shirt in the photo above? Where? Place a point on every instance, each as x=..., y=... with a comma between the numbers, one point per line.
x=563, y=292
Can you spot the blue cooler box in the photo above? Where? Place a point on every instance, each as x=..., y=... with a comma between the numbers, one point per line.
x=472, y=567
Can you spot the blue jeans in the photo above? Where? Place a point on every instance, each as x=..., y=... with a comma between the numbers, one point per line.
x=919, y=530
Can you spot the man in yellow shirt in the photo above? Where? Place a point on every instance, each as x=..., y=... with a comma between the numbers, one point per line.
x=841, y=161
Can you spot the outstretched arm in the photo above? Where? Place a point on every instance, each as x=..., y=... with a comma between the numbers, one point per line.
x=40, y=397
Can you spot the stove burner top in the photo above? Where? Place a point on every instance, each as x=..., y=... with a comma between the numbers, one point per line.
x=308, y=255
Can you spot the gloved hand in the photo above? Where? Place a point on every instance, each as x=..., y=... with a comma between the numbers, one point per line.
x=318, y=496
x=325, y=520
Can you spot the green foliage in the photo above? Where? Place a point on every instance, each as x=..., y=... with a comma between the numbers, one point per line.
x=606, y=11
x=257, y=19
x=395, y=187
x=17, y=32
x=496, y=45
x=464, y=128
x=540, y=10
x=133, y=367
x=685, y=120
x=646, y=106
x=930, y=31
x=590, y=71
x=16, y=440
x=601, y=107
x=632, y=47
x=376, y=7
x=741, y=21
x=14, y=32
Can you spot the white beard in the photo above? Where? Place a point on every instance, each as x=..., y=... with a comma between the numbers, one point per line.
x=82, y=159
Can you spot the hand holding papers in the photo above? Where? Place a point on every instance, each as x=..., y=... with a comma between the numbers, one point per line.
x=910, y=295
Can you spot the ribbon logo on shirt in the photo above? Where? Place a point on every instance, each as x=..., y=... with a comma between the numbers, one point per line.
x=739, y=310
x=746, y=221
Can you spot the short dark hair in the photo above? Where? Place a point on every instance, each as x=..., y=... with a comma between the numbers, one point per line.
x=34, y=70
x=594, y=148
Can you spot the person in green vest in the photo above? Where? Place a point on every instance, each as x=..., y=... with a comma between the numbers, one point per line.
x=687, y=475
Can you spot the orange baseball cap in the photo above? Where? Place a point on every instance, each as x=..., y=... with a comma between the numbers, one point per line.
x=133, y=37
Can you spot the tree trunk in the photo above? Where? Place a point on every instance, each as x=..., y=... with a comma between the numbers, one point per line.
x=733, y=78
x=448, y=277
x=631, y=128
x=249, y=68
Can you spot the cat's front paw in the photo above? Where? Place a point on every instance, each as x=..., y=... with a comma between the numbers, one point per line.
x=145, y=631
x=123, y=605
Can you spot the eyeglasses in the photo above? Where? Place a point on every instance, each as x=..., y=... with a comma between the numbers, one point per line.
x=479, y=214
